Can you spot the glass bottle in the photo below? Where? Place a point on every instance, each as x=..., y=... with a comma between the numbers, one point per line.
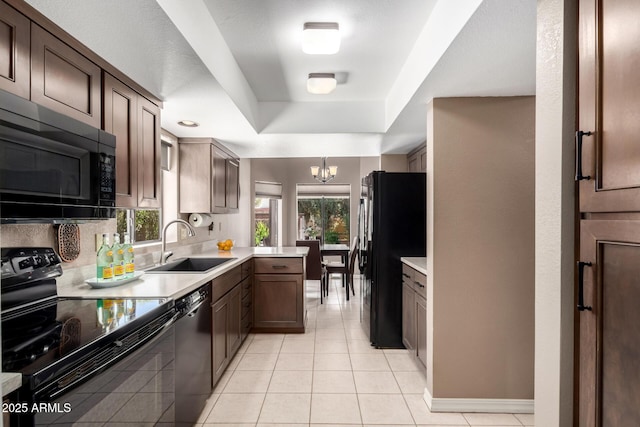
x=129, y=264
x=104, y=260
x=118, y=257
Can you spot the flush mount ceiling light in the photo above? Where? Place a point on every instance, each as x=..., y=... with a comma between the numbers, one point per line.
x=323, y=173
x=188, y=123
x=321, y=83
x=321, y=38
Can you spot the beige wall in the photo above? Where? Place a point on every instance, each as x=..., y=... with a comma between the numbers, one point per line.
x=393, y=162
x=480, y=214
x=292, y=171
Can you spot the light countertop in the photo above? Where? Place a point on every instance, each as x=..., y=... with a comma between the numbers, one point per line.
x=10, y=382
x=175, y=285
x=417, y=263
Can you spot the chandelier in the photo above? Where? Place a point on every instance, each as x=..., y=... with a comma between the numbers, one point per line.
x=323, y=173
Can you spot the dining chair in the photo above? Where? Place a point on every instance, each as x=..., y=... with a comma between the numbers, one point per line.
x=315, y=269
x=345, y=269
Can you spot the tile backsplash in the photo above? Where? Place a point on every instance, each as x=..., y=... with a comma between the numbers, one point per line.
x=46, y=235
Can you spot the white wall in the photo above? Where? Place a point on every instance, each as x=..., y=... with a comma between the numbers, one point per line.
x=555, y=124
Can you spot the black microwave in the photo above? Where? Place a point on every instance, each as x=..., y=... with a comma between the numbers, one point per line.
x=53, y=168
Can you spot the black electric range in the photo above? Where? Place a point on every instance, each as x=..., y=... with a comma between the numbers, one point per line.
x=57, y=343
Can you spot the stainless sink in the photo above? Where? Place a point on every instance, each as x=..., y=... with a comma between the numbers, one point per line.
x=189, y=265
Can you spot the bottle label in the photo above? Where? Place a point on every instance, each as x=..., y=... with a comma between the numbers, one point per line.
x=118, y=269
x=130, y=250
x=107, y=272
x=129, y=267
x=120, y=251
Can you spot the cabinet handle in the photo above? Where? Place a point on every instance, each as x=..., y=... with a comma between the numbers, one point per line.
x=406, y=275
x=419, y=284
x=579, y=135
x=581, y=306
x=278, y=266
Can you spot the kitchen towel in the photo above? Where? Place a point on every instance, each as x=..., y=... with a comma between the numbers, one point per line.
x=200, y=219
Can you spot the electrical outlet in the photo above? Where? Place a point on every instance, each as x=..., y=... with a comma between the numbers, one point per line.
x=219, y=226
x=183, y=233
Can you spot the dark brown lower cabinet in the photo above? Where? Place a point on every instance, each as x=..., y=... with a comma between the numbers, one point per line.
x=220, y=342
x=609, y=324
x=408, y=316
x=421, y=329
x=414, y=313
x=279, y=295
x=226, y=320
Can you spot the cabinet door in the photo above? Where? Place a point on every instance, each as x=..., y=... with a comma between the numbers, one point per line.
x=220, y=342
x=219, y=172
x=235, y=316
x=121, y=119
x=149, y=184
x=609, y=89
x=233, y=184
x=421, y=329
x=196, y=185
x=278, y=301
x=14, y=51
x=423, y=160
x=64, y=80
x=412, y=162
x=408, y=316
x=609, y=378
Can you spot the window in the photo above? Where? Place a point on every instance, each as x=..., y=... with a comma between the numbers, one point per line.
x=143, y=225
x=324, y=212
x=268, y=213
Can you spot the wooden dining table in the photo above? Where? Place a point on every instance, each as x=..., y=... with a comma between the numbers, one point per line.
x=341, y=250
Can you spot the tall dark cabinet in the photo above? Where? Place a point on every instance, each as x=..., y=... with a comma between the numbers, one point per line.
x=608, y=171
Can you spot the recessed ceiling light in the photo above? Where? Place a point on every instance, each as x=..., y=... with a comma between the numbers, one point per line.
x=321, y=38
x=321, y=83
x=188, y=123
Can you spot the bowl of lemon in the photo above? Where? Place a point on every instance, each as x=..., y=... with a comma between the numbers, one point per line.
x=225, y=245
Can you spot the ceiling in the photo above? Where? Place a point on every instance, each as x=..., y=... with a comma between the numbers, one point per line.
x=237, y=68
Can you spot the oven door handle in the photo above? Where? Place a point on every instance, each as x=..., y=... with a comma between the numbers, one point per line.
x=152, y=338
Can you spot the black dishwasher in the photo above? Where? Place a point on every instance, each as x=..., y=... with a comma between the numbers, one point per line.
x=193, y=355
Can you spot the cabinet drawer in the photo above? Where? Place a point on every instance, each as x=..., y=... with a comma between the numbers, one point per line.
x=246, y=305
x=277, y=266
x=247, y=269
x=223, y=284
x=420, y=283
x=246, y=286
x=407, y=274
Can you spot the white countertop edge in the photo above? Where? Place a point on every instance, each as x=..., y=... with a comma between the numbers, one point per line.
x=417, y=263
x=168, y=285
x=10, y=382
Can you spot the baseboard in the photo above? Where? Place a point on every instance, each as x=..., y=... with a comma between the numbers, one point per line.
x=503, y=406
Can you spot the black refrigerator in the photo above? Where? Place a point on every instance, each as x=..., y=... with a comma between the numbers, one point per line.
x=391, y=224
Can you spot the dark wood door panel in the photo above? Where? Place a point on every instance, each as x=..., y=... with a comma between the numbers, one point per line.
x=609, y=379
x=149, y=149
x=619, y=331
x=64, y=80
x=120, y=119
x=609, y=89
x=14, y=51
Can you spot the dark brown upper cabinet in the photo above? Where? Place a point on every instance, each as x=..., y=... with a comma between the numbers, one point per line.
x=14, y=51
x=209, y=177
x=64, y=80
x=609, y=107
x=135, y=121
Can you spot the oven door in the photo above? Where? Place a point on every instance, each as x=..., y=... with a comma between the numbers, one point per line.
x=137, y=390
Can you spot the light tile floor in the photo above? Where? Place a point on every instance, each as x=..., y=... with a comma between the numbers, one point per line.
x=329, y=376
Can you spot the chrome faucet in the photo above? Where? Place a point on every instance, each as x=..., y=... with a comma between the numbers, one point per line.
x=164, y=255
